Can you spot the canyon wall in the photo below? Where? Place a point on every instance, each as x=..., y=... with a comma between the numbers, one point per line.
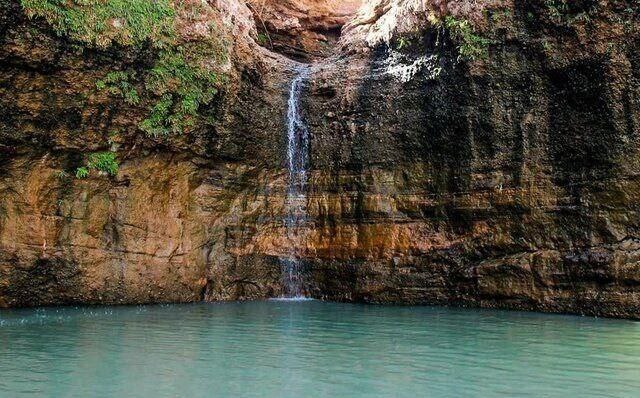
x=302, y=29
x=508, y=178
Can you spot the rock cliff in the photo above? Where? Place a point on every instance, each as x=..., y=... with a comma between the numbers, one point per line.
x=302, y=29
x=476, y=153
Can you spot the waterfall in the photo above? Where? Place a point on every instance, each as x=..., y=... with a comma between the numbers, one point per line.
x=297, y=162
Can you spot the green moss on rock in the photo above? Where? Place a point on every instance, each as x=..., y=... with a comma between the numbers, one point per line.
x=183, y=77
x=121, y=83
x=183, y=82
x=104, y=22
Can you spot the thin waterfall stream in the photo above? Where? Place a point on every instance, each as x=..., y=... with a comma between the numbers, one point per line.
x=296, y=201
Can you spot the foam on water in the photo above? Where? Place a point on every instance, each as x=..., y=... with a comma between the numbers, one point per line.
x=292, y=299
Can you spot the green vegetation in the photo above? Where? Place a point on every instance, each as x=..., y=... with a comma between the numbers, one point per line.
x=263, y=39
x=557, y=9
x=63, y=175
x=179, y=82
x=470, y=45
x=120, y=83
x=104, y=162
x=403, y=43
x=103, y=22
x=82, y=172
x=182, y=78
x=182, y=83
x=569, y=12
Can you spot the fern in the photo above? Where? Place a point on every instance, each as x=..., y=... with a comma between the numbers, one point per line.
x=182, y=79
x=104, y=162
x=470, y=45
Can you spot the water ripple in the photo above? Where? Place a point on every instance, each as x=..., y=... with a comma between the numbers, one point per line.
x=313, y=349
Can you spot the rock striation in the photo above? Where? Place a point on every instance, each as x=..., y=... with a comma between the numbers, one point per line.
x=302, y=29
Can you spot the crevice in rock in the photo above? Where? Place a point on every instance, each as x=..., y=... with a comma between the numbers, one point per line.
x=302, y=30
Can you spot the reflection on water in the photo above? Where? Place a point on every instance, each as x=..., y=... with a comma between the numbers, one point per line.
x=313, y=349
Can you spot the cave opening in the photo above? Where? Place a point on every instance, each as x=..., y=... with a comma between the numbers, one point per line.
x=303, y=30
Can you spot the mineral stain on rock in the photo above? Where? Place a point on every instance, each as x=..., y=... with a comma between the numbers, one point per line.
x=507, y=178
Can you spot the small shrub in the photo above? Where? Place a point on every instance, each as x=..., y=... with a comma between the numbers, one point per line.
x=63, y=175
x=102, y=161
x=470, y=45
x=262, y=39
x=403, y=43
x=82, y=172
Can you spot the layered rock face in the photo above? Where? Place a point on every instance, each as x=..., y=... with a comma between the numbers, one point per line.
x=302, y=29
x=509, y=180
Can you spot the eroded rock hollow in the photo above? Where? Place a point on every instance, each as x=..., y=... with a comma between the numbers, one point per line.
x=476, y=153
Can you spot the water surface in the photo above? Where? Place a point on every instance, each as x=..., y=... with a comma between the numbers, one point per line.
x=313, y=349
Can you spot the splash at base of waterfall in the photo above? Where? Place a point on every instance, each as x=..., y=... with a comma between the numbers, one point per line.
x=292, y=278
x=292, y=299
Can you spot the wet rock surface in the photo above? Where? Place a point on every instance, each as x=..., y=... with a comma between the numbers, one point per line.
x=510, y=181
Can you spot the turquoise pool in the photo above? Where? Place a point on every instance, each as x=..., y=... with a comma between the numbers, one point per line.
x=313, y=349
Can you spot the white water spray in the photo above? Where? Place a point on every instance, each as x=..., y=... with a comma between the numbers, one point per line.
x=296, y=203
x=405, y=68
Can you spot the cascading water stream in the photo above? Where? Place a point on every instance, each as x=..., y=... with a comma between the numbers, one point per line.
x=296, y=202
